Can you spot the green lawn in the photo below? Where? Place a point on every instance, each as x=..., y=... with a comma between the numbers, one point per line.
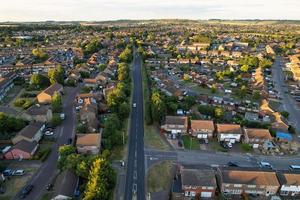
x=159, y=177
x=190, y=143
x=217, y=147
x=153, y=138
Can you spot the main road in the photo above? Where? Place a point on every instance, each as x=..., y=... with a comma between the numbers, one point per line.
x=48, y=170
x=135, y=175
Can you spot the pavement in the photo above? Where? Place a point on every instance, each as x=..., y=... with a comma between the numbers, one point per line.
x=66, y=130
x=135, y=175
x=288, y=103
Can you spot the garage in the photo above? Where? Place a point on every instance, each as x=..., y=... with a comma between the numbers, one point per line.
x=206, y=194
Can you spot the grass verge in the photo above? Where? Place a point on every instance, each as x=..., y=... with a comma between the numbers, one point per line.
x=159, y=176
x=153, y=138
x=190, y=143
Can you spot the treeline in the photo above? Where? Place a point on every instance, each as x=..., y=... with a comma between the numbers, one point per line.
x=10, y=125
x=118, y=102
x=96, y=171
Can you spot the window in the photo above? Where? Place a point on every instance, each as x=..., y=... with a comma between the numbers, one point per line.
x=237, y=185
x=284, y=193
x=193, y=194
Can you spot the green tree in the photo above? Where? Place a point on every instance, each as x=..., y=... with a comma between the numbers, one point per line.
x=39, y=81
x=219, y=113
x=256, y=94
x=100, y=181
x=56, y=75
x=64, y=152
x=244, y=68
x=56, y=103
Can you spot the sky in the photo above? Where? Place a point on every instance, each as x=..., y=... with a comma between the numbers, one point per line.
x=99, y=10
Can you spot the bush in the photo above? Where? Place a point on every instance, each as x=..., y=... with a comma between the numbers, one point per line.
x=246, y=147
x=42, y=154
x=285, y=114
x=27, y=95
x=56, y=120
x=24, y=103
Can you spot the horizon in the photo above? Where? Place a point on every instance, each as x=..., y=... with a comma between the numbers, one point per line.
x=105, y=10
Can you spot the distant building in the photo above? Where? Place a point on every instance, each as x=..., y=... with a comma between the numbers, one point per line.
x=175, y=125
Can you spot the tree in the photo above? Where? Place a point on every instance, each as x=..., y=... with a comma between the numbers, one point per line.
x=56, y=75
x=39, y=81
x=56, y=120
x=244, y=68
x=64, y=152
x=126, y=55
x=242, y=91
x=124, y=110
x=213, y=89
x=101, y=181
x=256, y=94
x=158, y=106
x=56, y=103
x=186, y=77
x=219, y=113
x=40, y=55
x=285, y=114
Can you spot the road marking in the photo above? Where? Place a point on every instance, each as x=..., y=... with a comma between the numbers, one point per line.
x=135, y=174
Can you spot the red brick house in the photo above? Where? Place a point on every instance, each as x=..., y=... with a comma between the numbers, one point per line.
x=22, y=150
x=194, y=184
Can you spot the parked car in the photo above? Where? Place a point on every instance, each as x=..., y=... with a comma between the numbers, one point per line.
x=7, y=172
x=294, y=168
x=265, y=165
x=49, y=133
x=26, y=191
x=232, y=164
x=224, y=145
x=62, y=116
x=18, y=172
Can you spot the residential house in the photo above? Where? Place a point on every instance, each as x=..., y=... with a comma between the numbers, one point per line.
x=88, y=143
x=6, y=83
x=30, y=133
x=38, y=113
x=237, y=182
x=89, y=115
x=46, y=96
x=22, y=150
x=290, y=184
x=93, y=83
x=198, y=183
x=175, y=125
x=65, y=186
x=256, y=136
x=229, y=132
x=202, y=129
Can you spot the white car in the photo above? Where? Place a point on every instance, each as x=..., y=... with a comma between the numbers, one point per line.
x=134, y=105
x=48, y=133
x=18, y=172
x=265, y=165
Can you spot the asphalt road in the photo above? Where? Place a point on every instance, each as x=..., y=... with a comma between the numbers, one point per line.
x=66, y=130
x=289, y=104
x=218, y=158
x=135, y=175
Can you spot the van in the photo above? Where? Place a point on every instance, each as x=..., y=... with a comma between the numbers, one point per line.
x=294, y=168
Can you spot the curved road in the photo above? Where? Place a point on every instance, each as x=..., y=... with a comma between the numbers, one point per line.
x=48, y=170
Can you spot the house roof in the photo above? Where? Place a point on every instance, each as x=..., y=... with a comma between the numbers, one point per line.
x=92, y=139
x=258, y=133
x=179, y=120
x=249, y=177
x=25, y=146
x=198, y=177
x=30, y=130
x=53, y=88
x=202, y=124
x=66, y=184
x=288, y=178
x=229, y=128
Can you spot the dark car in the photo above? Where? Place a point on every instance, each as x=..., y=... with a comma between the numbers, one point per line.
x=233, y=164
x=69, y=141
x=49, y=187
x=224, y=145
x=26, y=191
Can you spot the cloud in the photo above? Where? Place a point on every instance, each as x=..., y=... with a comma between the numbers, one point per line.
x=36, y=10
